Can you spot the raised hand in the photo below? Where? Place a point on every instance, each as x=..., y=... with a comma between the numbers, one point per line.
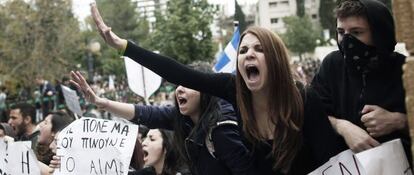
x=110, y=37
x=79, y=81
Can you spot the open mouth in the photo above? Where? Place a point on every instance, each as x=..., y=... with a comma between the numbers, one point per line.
x=252, y=72
x=145, y=153
x=181, y=100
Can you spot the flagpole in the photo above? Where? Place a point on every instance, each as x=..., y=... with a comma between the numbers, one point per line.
x=236, y=24
x=146, y=102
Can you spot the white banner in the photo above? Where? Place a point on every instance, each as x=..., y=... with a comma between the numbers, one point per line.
x=72, y=100
x=141, y=80
x=17, y=158
x=96, y=146
x=387, y=159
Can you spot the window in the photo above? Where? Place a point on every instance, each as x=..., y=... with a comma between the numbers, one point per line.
x=272, y=4
x=314, y=16
x=284, y=2
x=274, y=20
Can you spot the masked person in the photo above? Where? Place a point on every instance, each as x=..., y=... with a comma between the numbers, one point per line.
x=361, y=84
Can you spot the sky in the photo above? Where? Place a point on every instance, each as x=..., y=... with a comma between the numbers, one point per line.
x=81, y=7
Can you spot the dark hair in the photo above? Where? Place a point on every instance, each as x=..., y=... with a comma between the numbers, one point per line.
x=171, y=164
x=209, y=114
x=137, y=159
x=59, y=120
x=26, y=109
x=143, y=130
x=284, y=100
x=348, y=8
x=8, y=130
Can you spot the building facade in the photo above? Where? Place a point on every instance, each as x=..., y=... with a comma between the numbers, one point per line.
x=271, y=13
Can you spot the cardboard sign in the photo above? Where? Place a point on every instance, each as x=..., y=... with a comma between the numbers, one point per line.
x=387, y=159
x=96, y=146
x=72, y=100
x=17, y=158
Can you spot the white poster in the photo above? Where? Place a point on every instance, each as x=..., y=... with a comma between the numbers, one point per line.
x=345, y=163
x=387, y=159
x=96, y=146
x=141, y=80
x=72, y=100
x=17, y=158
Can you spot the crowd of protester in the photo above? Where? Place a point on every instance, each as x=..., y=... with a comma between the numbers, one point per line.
x=270, y=117
x=306, y=68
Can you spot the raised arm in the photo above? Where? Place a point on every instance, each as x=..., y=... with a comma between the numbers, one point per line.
x=217, y=84
x=110, y=37
x=123, y=110
x=221, y=85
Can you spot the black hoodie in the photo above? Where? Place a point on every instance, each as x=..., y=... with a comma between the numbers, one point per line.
x=344, y=92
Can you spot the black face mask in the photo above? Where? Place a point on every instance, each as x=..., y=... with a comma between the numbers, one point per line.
x=359, y=56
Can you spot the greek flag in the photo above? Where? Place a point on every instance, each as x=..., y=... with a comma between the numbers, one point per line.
x=227, y=59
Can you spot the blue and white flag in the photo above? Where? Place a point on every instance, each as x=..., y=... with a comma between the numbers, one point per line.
x=228, y=58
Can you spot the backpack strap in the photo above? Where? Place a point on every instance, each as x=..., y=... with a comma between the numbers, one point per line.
x=209, y=139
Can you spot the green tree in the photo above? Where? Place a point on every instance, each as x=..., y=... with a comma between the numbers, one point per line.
x=327, y=16
x=239, y=16
x=182, y=31
x=123, y=18
x=300, y=36
x=41, y=37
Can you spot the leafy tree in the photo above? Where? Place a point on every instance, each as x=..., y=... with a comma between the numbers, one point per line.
x=327, y=16
x=123, y=18
x=182, y=31
x=300, y=37
x=239, y=16
x=41, y=37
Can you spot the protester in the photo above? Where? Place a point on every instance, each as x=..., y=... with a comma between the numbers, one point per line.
x=361, y=84
x=3, y=97
x=47, y=91
x=55, y=162
x=137, y=159
x=276, y=119
x=196, y=118
x=53, y=123
x=22, y=120
x=7, y=132
x=59, y=93
x=160, y=157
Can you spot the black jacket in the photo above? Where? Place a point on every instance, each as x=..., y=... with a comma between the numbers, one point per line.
x=319, y=136
x=344, y=90
x=230, y=156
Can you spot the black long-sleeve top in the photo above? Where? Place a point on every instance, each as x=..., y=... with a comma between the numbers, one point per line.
x=318, y=135
x=231, y=155
x=344, y=95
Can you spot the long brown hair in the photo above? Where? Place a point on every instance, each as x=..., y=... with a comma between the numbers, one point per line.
x=285, y=104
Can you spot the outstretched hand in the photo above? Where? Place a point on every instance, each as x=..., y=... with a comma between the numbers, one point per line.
x=79, y=81
x=110, y=37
